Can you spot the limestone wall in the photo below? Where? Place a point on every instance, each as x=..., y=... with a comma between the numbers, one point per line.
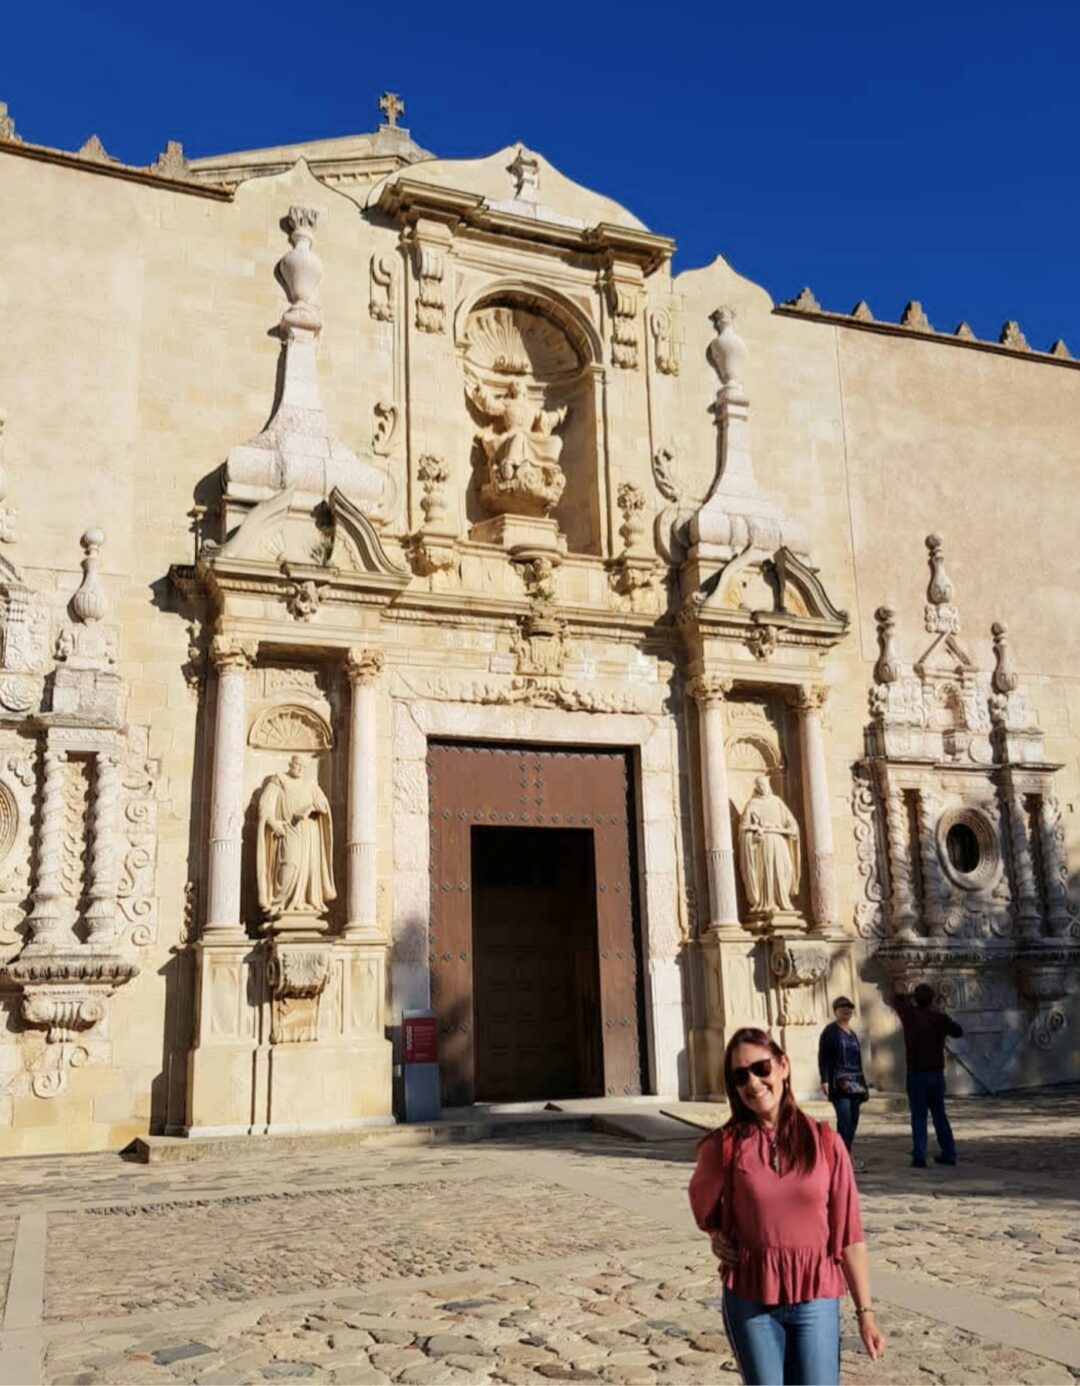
x=141, y=349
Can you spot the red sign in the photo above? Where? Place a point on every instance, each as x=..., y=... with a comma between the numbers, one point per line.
x=421, y=1040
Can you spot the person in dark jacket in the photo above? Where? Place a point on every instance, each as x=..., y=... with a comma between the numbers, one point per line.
x=841, y=1071
x=926, y=1028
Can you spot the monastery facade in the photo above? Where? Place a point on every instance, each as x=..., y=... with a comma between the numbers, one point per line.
x=414, y=596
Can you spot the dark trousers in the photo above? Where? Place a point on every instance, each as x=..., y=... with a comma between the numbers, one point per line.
x=847, y=1118
x=926, y=1093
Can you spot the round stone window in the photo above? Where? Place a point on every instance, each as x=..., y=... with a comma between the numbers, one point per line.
x=968, y=847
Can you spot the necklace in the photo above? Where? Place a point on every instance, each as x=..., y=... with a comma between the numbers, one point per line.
x=774, y=1153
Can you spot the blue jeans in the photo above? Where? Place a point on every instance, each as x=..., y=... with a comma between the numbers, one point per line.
x=926, y=1092
x=784, y=1344
x=847, y=1118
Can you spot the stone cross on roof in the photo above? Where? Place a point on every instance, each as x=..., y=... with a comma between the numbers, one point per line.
x=391, y=106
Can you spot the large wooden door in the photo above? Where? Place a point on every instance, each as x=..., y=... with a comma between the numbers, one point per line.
x=513, y=786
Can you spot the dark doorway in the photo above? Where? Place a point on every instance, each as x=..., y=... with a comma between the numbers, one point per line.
x=536, y=965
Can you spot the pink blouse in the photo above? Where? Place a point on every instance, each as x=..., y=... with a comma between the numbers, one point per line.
x=791, y=1228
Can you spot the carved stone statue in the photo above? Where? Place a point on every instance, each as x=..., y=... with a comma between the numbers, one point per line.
x=524, y=475
x=768, y=851
x=294, y=858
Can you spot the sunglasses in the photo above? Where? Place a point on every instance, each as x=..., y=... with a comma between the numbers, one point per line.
x=761, y=1069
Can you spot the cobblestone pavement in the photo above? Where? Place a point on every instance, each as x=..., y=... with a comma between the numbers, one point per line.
x=561, y=1257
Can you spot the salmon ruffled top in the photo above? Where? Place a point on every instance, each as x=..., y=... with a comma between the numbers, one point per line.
x=790, y=1228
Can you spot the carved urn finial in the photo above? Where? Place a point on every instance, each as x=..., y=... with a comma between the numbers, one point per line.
x=300, y=271
x=940, y=589
x=90, y=604
x=7, y=125
x=1005, y=678
x=727, y=350
x=8, y=516
x=887, y=668
x=941, y=617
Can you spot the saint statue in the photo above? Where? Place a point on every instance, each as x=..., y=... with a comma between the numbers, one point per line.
x=768, y=851
x=522, y=450
x=294, y=857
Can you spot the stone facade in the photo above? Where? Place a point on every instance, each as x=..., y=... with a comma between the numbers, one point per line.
x=520, y=484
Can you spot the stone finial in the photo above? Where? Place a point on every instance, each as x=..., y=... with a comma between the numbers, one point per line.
x=391, y=106
x=1059, y=349
x=171, y=163
x=862, y=312
x=90, y=604
x=631, y=501
x=887, y=668
x=727, y=350
x=1011, y=336
x=95, y=151
x=804, y=301
x=7, y=515
x=525, y=171
x=964, y=332
x=300, y=271
x=1005, y=678
x=942, y=618
x=914, y=317
x=7, y=125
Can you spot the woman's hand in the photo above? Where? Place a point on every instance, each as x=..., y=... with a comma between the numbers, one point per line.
x=724, y=1249
x=872, y=1337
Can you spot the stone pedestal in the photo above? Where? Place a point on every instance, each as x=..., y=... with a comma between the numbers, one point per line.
x=522, y=536
x=289, y=1038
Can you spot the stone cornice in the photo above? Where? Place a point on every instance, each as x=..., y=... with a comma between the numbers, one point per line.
x=43, y=154
x=407, y=199
x=895, y=329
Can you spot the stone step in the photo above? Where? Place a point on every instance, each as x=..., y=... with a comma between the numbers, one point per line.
x=185, y=1149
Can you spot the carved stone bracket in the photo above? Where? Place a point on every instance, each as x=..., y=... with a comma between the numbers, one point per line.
x=1043, y=979
x=797, y=969
x=65, y=994
x=297, y=975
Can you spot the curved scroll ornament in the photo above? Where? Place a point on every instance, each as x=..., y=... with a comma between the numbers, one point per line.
x=9, y=823
x=870, y=911
x=137, y=840
x=290, y=728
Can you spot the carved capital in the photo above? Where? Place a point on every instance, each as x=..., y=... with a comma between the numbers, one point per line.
x=363, y=666
x=232, y=655
x=809, y=697
x=709, y=690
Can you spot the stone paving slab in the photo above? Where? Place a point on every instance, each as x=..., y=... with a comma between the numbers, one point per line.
x=566, y=1256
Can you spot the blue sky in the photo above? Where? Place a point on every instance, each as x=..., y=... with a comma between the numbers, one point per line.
x=918, y=151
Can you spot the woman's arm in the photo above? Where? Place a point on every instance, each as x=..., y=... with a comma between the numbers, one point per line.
x=857, y=1274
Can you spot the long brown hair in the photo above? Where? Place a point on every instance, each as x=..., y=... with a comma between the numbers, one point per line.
x=795, y=1141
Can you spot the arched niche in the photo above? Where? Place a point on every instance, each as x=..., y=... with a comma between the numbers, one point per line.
x=516, y=333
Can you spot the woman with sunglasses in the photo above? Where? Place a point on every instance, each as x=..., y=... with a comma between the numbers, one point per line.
x=775, y=1191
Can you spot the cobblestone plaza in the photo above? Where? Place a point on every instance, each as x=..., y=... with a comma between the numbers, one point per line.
x=561, y=1256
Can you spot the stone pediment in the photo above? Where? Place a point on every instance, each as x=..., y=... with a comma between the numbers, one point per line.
x=518, y=193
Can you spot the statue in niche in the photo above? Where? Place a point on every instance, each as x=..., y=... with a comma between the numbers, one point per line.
x=522, y=451
x=768, y=851
x=295, y=850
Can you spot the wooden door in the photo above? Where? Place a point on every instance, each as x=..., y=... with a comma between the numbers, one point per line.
x=514, y=786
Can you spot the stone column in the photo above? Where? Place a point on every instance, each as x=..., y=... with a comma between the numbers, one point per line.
x=101, y=915
x=46, y=923
x=708, y=691
x=808, y=702
x=232, y=658
x=363, y=668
